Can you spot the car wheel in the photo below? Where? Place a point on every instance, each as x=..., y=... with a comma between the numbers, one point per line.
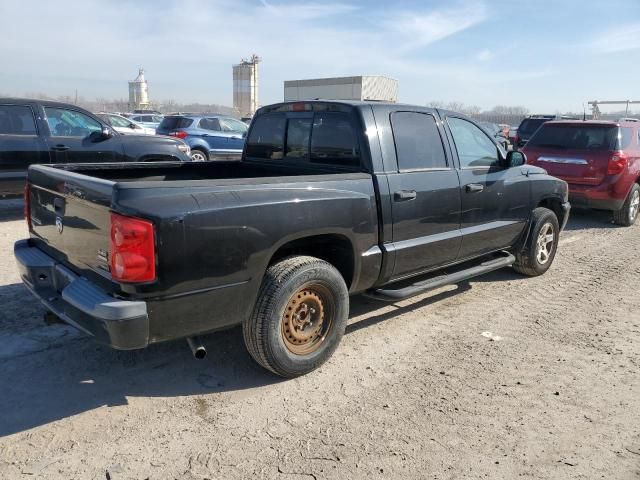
x=299, y=317
x=628, y=214
x=198, y=155
x=540, y=248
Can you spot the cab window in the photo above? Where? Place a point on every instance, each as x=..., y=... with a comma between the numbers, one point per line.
x=69, y=123
x=475, y=149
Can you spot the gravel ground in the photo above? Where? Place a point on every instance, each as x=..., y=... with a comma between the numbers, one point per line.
x=502, y=377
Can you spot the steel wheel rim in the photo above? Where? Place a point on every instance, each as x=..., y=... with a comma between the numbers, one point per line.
x=307, y=319
x=544, y=243
x=197, y=156
x=634, y=206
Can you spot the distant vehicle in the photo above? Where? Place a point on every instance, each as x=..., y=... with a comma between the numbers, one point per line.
x=600, y=160
x=39, y=131
x=147, y=120
x=125, y=125
x=513, y=133
x=210, y=137
x=528, y=127
x=246, y=120
x=330, y=199
x=497, y=132
x=147, y=111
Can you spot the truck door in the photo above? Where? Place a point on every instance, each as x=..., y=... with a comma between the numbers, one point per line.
x=495, y=199
x=70, y=138
x=20, y=146
x=425, y=195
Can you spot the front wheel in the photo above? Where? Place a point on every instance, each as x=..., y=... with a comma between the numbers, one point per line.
x=628, y=214
x=538, y=253
x=299, y=317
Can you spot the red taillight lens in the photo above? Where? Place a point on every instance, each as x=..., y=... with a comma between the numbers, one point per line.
x=180, y=135
x=132, y=249
x=617, y=163
x=27, y=206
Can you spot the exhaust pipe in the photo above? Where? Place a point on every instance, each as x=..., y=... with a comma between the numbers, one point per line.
x=197, y=348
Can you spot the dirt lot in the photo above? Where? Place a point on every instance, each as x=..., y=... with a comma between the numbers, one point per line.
x=504, y=377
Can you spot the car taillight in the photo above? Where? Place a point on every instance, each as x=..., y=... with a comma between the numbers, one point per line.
x=132, y=249
x=181, y=135
x=617, y=163
x=27, y=206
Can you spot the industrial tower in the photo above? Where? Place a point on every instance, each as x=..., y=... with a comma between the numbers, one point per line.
x=245, y=86
x=138, y=92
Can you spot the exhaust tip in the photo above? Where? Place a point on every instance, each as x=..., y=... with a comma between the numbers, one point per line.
x=197, y=348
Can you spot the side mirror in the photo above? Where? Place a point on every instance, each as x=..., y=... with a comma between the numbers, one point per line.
x=133, y=126
x=515, y=158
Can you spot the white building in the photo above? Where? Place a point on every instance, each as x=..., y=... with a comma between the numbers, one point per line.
x=138, y=92
x=363, y=87
x=245, y=86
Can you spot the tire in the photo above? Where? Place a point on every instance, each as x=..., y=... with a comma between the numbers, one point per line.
x=628, y=214
x=199, y=155
x=299, y=317
x=538, y=253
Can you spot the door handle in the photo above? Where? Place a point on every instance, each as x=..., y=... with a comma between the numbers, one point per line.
x=404, y=195
x=60, y=147
x=475, y=187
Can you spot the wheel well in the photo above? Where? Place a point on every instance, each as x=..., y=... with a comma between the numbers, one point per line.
x=333, y=248
x=555, y=205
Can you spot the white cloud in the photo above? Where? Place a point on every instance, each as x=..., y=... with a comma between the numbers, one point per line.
x=484, y=55
x=620, y=39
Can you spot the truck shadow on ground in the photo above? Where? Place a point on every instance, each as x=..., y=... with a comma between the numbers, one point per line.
x=11, y=209
x=65, y=373
x=581, y=219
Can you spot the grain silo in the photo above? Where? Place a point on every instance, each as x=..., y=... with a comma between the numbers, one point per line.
x=138, y=92
x=245, y=86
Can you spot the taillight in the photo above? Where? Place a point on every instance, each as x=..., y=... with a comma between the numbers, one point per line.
x=132, y=249
x=617, y=163
x=27, y=205
x=181, y=135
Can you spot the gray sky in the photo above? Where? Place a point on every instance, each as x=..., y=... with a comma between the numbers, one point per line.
x=546, y=55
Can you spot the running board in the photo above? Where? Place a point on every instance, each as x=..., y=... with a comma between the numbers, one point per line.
x=393, y=295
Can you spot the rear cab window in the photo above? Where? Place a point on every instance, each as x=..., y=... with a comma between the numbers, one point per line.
x=571, y=136
x=313, y=137
x=17, y=120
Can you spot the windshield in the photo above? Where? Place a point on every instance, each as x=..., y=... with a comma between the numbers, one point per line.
x=530, y=125
x=592, y=137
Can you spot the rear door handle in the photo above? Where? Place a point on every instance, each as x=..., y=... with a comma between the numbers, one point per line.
x=60, y=147
x=404, y=195
x=475, y=187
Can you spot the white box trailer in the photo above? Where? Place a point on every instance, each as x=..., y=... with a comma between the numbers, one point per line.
x=363, y=87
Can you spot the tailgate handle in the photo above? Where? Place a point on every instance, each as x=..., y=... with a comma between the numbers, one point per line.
x=58, y=205
x=403, y=195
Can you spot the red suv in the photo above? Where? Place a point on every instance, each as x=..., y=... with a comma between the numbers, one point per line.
x=600, y=160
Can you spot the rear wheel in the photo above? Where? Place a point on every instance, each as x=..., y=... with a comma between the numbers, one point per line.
x=299, y=317
x=628, y=214
x=540, y=249
x=198, y=155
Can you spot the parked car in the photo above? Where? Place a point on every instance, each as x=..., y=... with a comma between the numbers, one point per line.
x=497, y=132
x=125, y=125
x=38, y=131
x=600, y=160
x=147, y=120
x=210, y=137
x=528, y=127
x=330, y=199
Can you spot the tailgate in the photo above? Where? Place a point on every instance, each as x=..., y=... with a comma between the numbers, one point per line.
x=70, y=214
x=573, y=166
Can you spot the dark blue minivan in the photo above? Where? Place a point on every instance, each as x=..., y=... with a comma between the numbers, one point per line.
x=211, y=137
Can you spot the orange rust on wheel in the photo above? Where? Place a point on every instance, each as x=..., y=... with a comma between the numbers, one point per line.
x=306, y=320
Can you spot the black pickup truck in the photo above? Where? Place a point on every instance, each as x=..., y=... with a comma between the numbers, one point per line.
x=330, y=199
x=40, y=131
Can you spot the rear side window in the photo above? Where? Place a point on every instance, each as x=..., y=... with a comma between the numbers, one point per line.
x=333, y=140
x=579, y=137
x=266, y=139
x=418, y=143
x=171, y=123
x=16, y=120
x=210, y=124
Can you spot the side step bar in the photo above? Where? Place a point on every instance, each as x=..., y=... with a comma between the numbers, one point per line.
x=393, y=295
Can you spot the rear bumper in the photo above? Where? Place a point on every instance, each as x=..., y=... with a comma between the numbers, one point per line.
x=121, y=324
x=581, y=200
